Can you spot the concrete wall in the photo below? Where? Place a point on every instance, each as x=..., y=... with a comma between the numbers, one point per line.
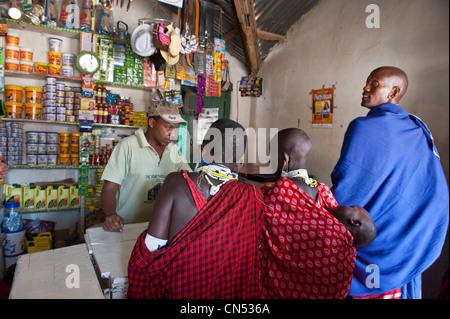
x=331, y=45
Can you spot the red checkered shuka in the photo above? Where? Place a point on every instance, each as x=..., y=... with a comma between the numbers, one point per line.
x=214, y=256
x=306, y=252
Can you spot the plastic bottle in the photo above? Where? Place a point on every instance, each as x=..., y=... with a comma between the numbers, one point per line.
x=12, y=220
x=74, y=197
x=28, y=196
x=51, y=198
x=14, y=194
x=63, y=197
x=39, y=198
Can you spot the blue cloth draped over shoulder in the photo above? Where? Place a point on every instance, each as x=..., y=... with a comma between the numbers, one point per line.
x=390, y=166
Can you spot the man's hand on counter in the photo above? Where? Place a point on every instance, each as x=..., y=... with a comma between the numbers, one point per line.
x=113, y=223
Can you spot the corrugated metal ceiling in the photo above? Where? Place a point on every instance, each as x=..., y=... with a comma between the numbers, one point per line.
x=275, y=16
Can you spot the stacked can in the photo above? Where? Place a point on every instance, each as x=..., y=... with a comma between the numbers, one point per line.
x=49, y=101
x=3, y=142
x=42, y=149
x=69, y=148
x=69, y=96
x=14, y=150
x=76, y=102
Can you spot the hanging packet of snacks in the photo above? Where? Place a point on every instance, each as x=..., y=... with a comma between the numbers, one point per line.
x=219, y=59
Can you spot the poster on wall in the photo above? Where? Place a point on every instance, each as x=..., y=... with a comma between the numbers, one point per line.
x=322, y=115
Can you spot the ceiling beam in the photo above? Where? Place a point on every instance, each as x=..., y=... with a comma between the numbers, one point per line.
x=245, y=11
x=265, y=35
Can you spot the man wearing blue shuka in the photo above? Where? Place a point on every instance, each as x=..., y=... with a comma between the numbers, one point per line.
x=390, y=166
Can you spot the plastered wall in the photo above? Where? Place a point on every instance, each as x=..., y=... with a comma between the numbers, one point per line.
x=331, y=45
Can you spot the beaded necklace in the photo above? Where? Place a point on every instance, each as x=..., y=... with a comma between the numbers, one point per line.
x=216, y=172
x=303, y=174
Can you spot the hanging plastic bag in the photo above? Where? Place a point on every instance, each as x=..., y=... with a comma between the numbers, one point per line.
x=104, y=21
x=86, y=16
x=70, y=15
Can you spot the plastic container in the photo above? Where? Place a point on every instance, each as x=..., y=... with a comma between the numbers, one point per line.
x=40, y=67
x=64, y=138
x=13, y=93
x=28, y=197
x=31, y=159
x=74, y=197
x=26, y=54
x=52, y=159
x=13, y=193
x=67, y=70
x=32, y=136
x=32, y=148
x=64, y=159
x=52, y=137
x=12, y=39
x=51, y=80
x=12, y=52
x=64, y=148
x=42, y=137
x=33, y=94
x=74, y=148
x=14, y=243
x=54, y=69
x=55, y=44
x=42, y=159
x=12, y=220
x=33, y=111
x=75, y=159
x=63, y=197
x=74, y=138
x=25, y=66
x=39, y=198
x=68, y=59
x=42, y=148
x=52, y=148
x=51, y=198
x=13, y=109
x=54, y=57
x=12, y=65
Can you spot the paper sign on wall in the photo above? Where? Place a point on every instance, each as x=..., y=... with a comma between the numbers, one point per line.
x=322, y=115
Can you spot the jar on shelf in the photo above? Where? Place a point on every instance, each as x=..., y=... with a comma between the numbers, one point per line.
x=12, y=220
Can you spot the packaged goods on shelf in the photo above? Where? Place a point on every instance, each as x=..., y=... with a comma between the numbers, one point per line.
x=11, y=146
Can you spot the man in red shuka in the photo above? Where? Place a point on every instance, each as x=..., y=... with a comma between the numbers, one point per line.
x=203, y=237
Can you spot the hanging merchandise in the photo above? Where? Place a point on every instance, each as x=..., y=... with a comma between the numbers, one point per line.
x=200, y=93
x=250, y=86
x=70, y=15
x=86, y=16
x=104, y=22
x=122, y=33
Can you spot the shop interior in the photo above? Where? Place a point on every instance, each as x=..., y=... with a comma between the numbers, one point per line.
x=78, y=76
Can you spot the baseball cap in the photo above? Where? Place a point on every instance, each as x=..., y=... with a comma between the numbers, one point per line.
x=167, y=111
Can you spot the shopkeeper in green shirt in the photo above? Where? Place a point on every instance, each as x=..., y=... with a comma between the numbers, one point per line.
x=138, y=166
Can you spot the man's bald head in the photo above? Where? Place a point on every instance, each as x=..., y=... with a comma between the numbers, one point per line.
x=294, y=146
x=386, y=84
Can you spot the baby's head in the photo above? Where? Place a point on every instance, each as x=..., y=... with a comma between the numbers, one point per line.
x=359, y=222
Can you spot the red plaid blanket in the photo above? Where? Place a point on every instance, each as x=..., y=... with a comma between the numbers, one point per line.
x=214, y=256
x=306, y=253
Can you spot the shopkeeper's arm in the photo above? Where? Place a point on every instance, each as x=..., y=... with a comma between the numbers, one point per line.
x=113, y=222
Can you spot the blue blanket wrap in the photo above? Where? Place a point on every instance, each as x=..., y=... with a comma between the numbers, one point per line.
x=390, y=166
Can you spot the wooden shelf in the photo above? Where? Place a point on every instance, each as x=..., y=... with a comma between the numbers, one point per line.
x=35, y=75
x=57, y=31
x=24, y=166
x=69, y=123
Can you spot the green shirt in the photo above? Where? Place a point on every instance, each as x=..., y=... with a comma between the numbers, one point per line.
x=136, y=167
